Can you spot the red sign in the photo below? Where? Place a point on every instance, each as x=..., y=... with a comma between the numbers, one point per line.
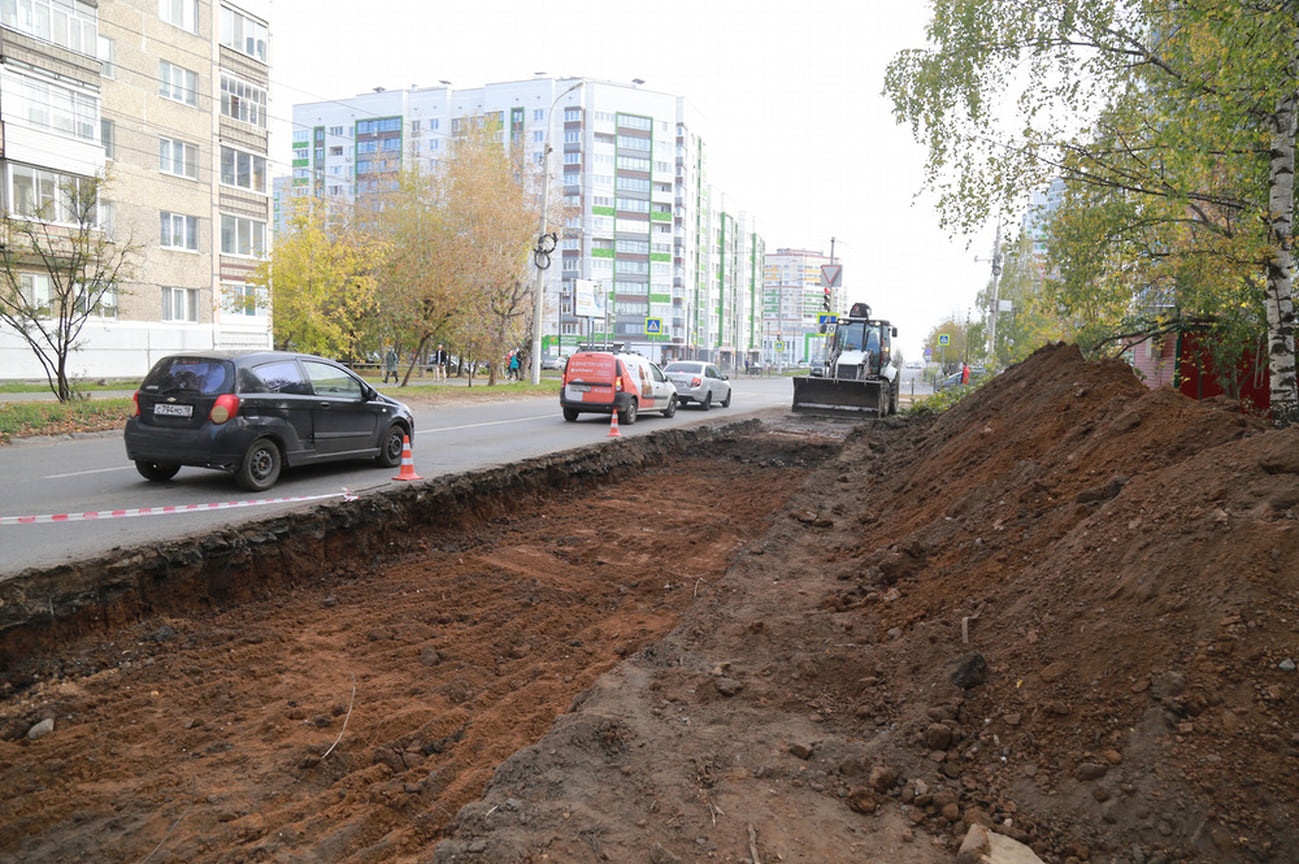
x=831, y=275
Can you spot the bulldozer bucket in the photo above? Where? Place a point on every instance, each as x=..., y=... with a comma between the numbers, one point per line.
x=841, y=395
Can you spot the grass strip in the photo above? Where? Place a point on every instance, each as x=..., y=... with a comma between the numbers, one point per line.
x=25, y=419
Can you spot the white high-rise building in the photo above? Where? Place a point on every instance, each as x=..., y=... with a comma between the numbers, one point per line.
x=638, y=216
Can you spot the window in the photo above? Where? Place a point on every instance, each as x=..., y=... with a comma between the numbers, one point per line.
x=242, y=300
x=177, y=83
x=63, y=22
x=634, y=121
x=178, y=231
x=107, y=57
x=36, y=292
x=628, y=142
x=336, y=130
x=244, y=237
x=54, y=106
x=180, y=13
x=179, y=304
x=178, y=158
x=243, y=101
x=108, y=134
x=244, y=170
x=105, y=301
x=572, y=115
x=244, y=34
x=329, y=380
x=44, y=195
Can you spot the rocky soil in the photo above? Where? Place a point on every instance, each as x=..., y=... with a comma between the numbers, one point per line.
x=1065, y=608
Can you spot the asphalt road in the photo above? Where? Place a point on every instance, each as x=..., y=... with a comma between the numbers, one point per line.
x=88, y=479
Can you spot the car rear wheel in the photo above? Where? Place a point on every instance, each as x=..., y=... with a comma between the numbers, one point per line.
x=707, y=402
x=260, y=467
x=570, y=414
x=671, y=410
x=628, y=415
x=390, y=450
x=156, y=471
x=726, y=403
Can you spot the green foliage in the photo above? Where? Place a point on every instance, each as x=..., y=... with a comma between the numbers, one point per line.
x=322, y=277
x=1172, y=126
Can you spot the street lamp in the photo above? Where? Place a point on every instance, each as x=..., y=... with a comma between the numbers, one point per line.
x=545, y=242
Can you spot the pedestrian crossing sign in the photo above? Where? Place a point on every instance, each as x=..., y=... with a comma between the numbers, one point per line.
x=653, y=326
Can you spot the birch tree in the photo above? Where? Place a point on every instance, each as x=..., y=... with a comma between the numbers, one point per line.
x=1183, y=113
x=58, y=268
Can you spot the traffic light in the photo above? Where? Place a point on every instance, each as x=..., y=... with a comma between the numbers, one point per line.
x=825, y=303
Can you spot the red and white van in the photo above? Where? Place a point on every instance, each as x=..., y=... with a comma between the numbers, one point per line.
x=601, y=382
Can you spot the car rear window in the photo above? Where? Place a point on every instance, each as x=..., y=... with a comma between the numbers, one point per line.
x=683, y=367
x=207, y=376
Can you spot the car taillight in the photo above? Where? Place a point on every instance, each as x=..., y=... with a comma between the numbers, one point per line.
x=617, y=383
x=695, y=382
x=135, y=404
x=563, y=379
x=227, y=406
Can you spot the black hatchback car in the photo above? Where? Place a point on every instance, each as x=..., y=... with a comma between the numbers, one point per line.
x=256, y=413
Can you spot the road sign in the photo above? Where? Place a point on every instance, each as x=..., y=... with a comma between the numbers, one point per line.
x=831, y=275
x=653, y=326
x=944, y=339
x=826, y=318
x=780, y=346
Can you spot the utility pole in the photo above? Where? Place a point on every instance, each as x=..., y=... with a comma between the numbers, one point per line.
x=546, y=243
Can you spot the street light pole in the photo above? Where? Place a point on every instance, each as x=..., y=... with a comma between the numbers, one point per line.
x=545, y=243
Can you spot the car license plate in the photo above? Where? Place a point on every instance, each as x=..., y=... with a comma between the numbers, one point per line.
x=579, y=388
x=166, y=409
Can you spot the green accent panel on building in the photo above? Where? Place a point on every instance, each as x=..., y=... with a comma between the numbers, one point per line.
x=660, y=217
x=302, y=162
x=602, y=211
x=660, y=256
x=660, y=298
x=601, y=253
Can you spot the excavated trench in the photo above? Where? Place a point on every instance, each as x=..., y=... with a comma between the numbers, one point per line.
x=43, y=609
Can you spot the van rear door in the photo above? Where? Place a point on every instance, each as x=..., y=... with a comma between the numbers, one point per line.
x=590, y=378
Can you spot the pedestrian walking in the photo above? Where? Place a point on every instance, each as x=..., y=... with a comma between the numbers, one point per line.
x=514, y=366
x=440, y=360
x=390, y=366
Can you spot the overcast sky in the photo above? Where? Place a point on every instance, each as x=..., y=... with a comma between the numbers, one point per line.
x=797, y=132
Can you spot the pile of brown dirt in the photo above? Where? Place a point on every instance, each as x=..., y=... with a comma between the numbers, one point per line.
x=1065, y=608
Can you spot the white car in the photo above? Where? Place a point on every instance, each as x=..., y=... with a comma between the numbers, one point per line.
x=699, y=382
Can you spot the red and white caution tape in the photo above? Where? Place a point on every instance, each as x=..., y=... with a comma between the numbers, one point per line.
x=346, y=495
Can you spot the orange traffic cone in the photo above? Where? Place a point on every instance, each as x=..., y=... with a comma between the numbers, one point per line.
x=613, y=426
x=407, y=462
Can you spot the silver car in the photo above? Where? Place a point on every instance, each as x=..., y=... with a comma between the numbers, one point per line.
x=699, y=382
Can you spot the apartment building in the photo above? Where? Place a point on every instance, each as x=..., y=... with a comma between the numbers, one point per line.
x=793, y=298
x=634, y=211
x=167, y=99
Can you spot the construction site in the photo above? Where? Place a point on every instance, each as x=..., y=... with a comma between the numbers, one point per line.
x=1066, y=609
